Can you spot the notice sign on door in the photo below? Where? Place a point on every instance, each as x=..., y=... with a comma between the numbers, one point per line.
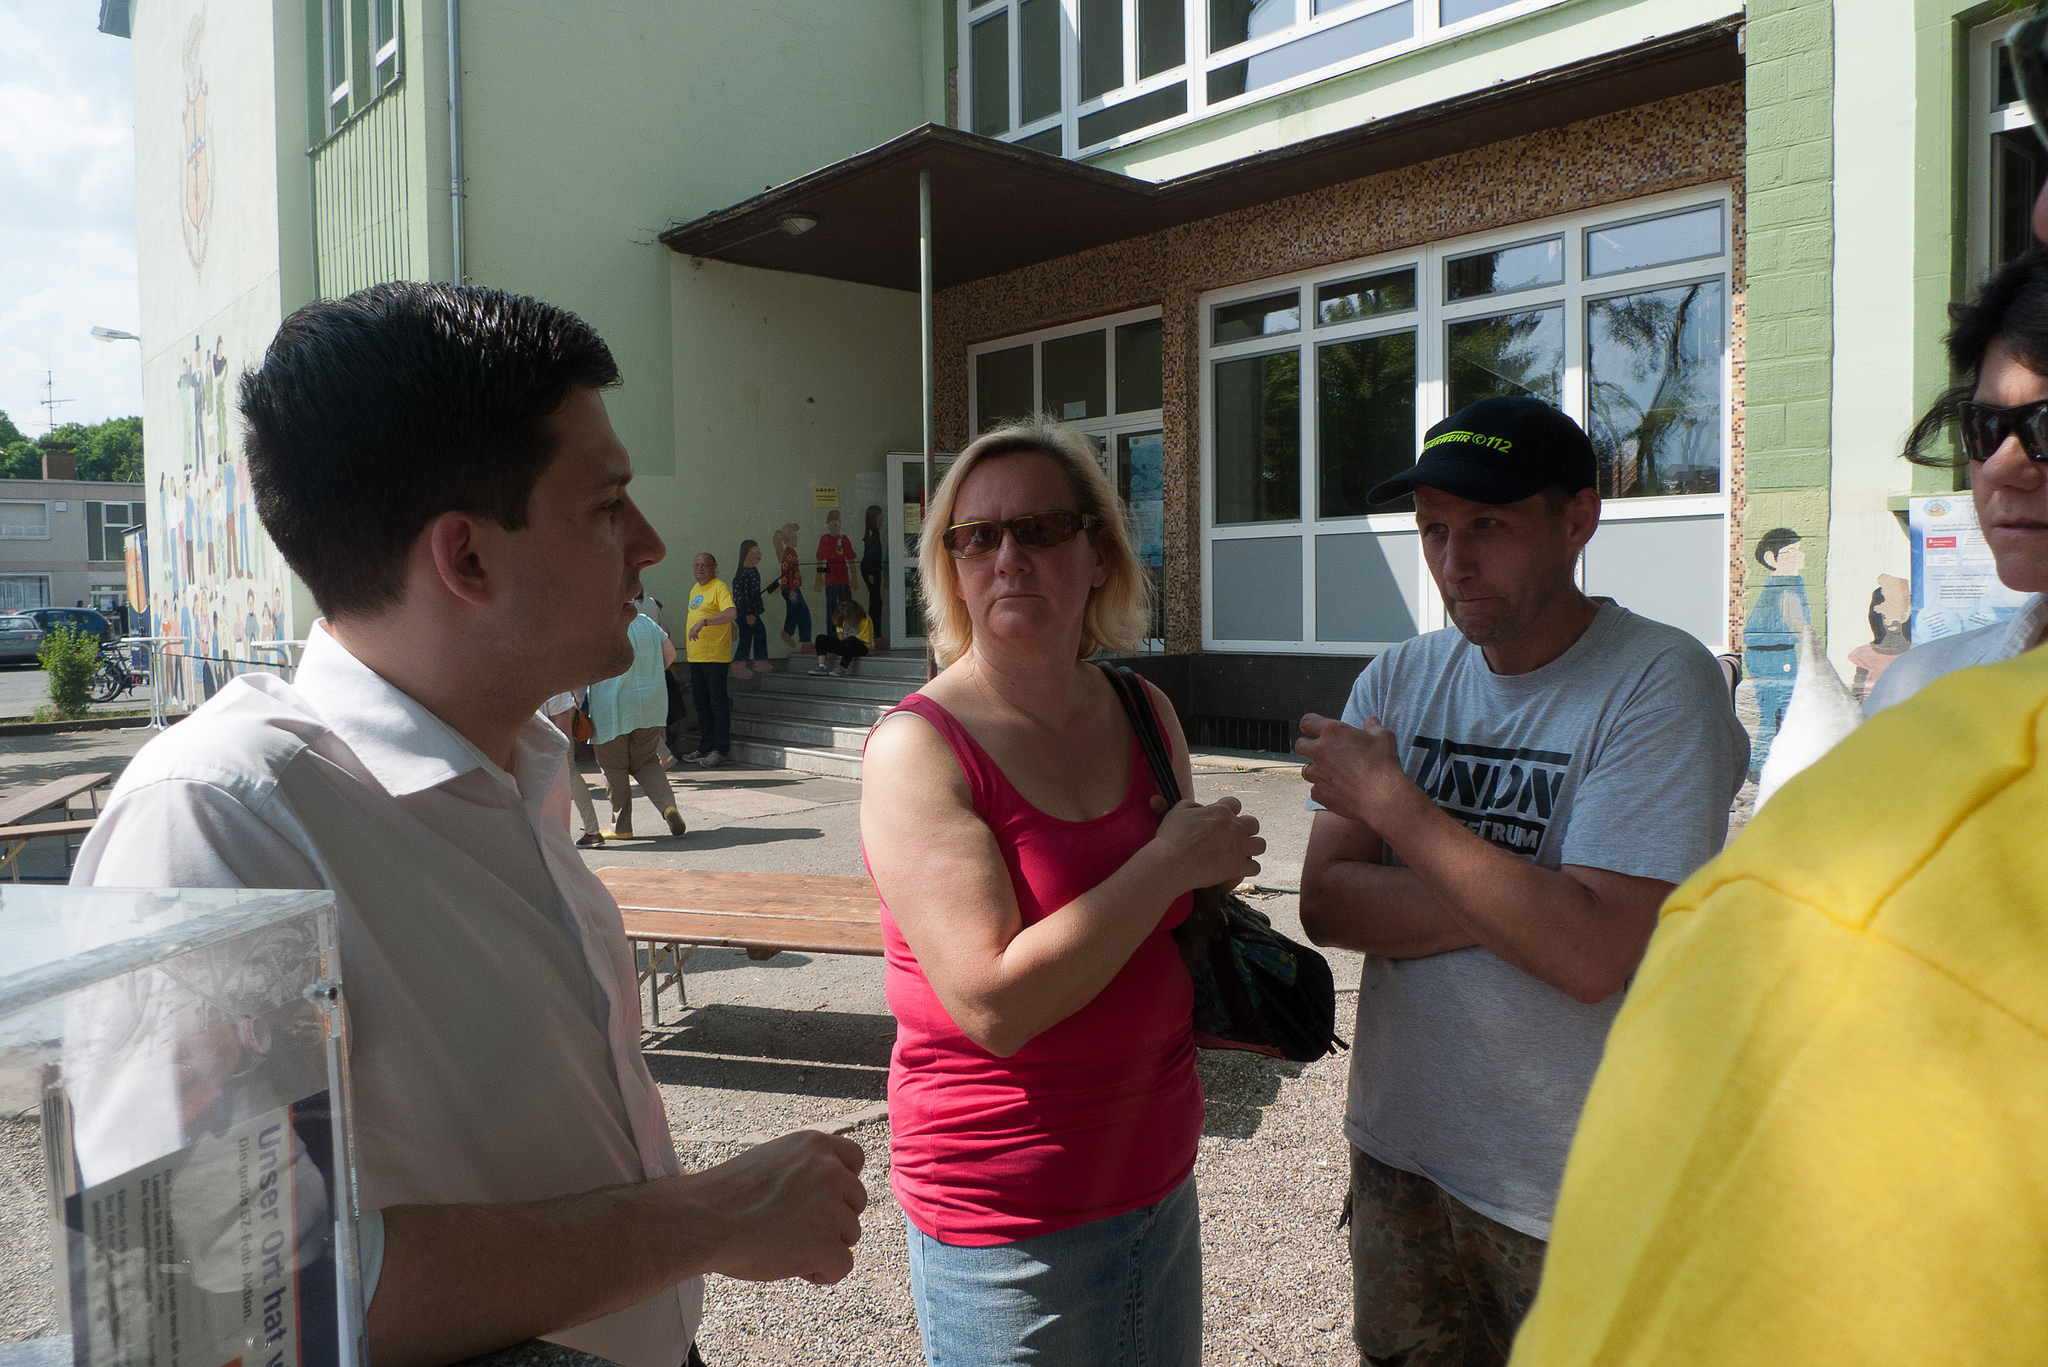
x=1955, y=581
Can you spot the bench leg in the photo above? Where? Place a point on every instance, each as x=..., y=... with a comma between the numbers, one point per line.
x=651, y=975
x=13, y=852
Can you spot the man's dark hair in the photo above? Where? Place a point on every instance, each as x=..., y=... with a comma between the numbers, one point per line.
x=2011, y=308
x=1772, y=542
x=374, y=414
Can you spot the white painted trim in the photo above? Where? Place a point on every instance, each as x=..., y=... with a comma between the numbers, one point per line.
x=1429, y=320
x=1107, y=324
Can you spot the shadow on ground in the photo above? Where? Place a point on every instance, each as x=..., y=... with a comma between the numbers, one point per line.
x=1238, y=1087
x=836, y=1054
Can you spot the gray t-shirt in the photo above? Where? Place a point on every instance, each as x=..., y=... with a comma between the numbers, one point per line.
x=1621, y=754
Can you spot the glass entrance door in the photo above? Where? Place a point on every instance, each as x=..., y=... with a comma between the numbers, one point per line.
x=905, y=517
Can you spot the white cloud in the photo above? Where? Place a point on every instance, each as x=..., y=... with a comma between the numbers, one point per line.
x=67, y=213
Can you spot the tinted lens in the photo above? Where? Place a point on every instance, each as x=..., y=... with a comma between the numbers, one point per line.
x=1985, y=428
x=2028, y=43
x=1039, y=530
x=969, y=539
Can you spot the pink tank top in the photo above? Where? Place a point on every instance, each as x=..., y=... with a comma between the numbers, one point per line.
x=1099, y=1114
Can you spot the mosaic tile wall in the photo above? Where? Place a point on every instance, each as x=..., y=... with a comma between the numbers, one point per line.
x=1671, y=144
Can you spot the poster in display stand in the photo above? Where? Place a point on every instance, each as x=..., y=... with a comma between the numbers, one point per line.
x=185, y=1053
x=1955, y=581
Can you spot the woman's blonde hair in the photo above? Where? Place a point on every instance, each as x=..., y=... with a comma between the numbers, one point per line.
x=1118, y=612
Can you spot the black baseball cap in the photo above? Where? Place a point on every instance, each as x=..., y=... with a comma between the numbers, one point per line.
x=1499, y=451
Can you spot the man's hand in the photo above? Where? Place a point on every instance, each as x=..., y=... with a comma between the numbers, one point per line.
x=694, y=629
x=787, y=1208
x=1352, y=770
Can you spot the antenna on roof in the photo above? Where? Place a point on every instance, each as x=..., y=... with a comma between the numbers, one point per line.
x=50, y=401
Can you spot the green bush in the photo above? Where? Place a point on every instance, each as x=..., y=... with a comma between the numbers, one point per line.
x=69, y=657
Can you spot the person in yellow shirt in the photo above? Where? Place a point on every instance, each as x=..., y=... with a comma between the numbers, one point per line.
x=852, y=636
x=1819, y=1133
x=709, y=649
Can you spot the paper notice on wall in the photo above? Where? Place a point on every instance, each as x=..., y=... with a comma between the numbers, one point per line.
x=1955, y=580
x=219, y=1254
x=824, y=495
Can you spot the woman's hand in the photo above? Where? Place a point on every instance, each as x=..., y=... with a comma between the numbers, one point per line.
x=1214, y=844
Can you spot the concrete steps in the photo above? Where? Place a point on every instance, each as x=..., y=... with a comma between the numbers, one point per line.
x=817, y=724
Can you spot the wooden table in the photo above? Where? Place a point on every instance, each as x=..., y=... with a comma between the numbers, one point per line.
x=16, y=831
x=675, y=912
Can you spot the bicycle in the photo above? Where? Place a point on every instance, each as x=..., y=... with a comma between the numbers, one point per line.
x=113, y=677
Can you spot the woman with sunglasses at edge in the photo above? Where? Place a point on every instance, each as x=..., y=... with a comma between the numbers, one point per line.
x=1043, y=1104
x=1999, y=340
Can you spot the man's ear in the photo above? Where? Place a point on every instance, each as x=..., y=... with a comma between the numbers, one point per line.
x=454, y=546
x=1582, y=517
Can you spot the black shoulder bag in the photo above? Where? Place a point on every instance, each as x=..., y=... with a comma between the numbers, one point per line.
x=1255, y=989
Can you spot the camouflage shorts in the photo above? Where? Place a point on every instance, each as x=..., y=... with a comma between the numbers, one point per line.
x=1433, y=1282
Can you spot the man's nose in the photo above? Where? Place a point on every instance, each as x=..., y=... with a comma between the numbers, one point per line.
x=644, y=545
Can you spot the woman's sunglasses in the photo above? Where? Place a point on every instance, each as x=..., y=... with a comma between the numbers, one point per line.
x=1035, y=531
x=1985, y=428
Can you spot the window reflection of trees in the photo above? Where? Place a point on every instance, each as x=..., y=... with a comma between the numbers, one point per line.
x=1365, y=421
x=1653, y=382
x=1258, y=438
x=1506, y=355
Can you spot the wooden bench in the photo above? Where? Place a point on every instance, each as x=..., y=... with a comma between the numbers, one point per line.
x=676, y=912
x=15, y=831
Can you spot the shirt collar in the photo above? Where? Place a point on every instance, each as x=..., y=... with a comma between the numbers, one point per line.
x=405, y=747
x=2029, y=622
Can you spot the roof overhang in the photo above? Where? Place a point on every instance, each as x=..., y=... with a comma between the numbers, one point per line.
x=997, y=207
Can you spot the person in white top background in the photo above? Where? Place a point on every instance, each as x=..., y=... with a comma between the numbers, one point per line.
x=2000, y=341
x=435, y=462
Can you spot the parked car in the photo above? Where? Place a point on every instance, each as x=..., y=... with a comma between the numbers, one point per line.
x=78, y=619
x=20, y=638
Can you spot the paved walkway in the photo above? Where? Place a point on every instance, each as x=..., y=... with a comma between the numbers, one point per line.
x=24, y=688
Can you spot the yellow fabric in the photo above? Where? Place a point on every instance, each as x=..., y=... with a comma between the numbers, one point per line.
x=1819, y=1133
x=713, y=645
x=866, y=632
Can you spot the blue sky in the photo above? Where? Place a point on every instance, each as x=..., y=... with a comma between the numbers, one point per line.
x=67, y=213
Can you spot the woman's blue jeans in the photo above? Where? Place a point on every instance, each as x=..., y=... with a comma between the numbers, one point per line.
x=1120, y=1292
x=796, y=615
x=752, y=638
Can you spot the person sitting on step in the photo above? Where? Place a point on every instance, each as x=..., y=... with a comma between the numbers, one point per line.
x=852, y=636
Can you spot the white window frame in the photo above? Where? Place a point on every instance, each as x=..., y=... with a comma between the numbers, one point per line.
x=1429, y=320
x=43, y=579
x=1108, y=324
x=42, y=503
x=337, y=81
x=1987, y=120
x=384, y=49
x=1196, y=67
x=107, y=531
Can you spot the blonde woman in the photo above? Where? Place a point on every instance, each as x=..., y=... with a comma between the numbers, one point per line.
x=1043, y=1103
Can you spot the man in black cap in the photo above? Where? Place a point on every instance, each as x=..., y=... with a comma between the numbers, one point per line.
x=1500, y=813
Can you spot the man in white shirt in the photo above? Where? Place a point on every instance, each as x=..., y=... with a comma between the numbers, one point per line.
x=436, y=463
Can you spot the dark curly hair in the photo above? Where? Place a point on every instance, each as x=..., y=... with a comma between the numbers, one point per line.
x=374, y=414
x=2012, y=308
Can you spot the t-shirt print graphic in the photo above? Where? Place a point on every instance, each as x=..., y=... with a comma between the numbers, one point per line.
x=1504, y=796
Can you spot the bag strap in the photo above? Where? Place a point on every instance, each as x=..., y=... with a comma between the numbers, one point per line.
x=1130, y=691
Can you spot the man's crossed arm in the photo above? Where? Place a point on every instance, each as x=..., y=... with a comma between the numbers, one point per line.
x=1582, y=930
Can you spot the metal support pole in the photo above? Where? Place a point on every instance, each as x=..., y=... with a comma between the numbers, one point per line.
x=925, y=354
x=457, y=269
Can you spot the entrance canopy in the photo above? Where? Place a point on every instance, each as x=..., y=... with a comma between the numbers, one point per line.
x=998, y=207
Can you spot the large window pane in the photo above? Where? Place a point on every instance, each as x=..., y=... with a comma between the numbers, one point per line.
x=1267, y=317
x=1508, y=354
x=1258, y=439
x=1141, y=484
x=1038, y=58
x=1528, y=266
x=1653, y=390
x=1002, y=386
x=1235, y=21
x=1102, y=47
x=1456, y=11
x=1689, y=236
x=1368, y=586
x=1367, y=296
x=1131, y=115
x=1365, y=421
x=1075, y=376
x=1138, y=366
x=989, y=52
x=1050, y=141
x=2019, y=166
x=1162, y=36
x=1255, y=588
x=1338, y=43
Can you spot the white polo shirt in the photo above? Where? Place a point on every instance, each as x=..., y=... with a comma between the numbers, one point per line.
x=493, y=1006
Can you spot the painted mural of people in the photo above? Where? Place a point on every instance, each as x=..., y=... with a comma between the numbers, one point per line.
x=1891, y=633
x=796, y=613
x=835, y=559
x=1770, y=637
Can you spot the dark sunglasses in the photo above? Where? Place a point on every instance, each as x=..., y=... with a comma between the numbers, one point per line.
x=1035, y=531
x=1985, y=428
x=2027, y=44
